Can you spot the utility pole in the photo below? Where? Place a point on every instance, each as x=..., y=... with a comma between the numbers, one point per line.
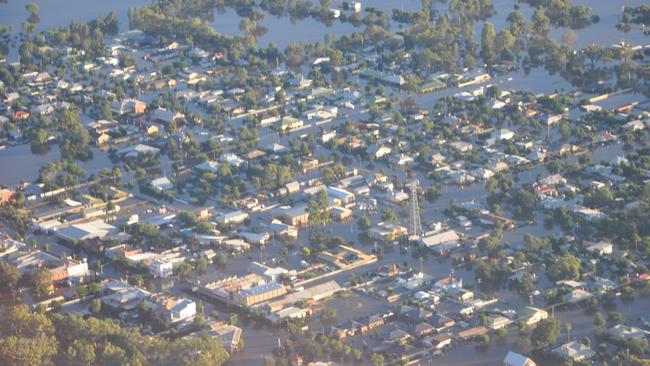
x=415, y=222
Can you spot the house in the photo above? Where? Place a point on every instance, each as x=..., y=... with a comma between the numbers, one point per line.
x=515, y=359
x=86, y=231
x=401, y=160
x=441, y=322
x=461, y=294
x=162, y=184
x=236, y=245
x=601, y=248
x=100, y=138
x=472, y=332
x=498, y=322
x=138, y=151
x=341, y=214
x=346, y=329
x=161, y=269
x=228, y=335
x=372, y=322
x=234, y=217
x=377, y=152
x=578, y=295
x=283, y=230
x=166, y=116
x=422, y=329
x=258, y=294
x=574, y=350
x=290, y=123
x=503, y=134
x=531, y=315
x=255, y=238
x=341, y=194
x=625, y=332
x=296, y=216
x=446, y=237
x=461, y=146
x=128, y=106
x=441, y=340
x=6, y=195
x=179, y=309
x=387, y=232
x=123, y=297
x=273, y=274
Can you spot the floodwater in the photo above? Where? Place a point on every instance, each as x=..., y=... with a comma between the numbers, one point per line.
x=55, y=13
x=283, y=31
x=18, y=164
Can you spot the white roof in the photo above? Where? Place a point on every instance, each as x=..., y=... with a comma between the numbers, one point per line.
x=448, y=236
x=515, y=359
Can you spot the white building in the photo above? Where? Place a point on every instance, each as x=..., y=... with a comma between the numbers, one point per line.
x=600, y=248
x=515, y=359
x=182, y=310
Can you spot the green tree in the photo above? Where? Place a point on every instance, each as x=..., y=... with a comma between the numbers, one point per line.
x=545, y=333
x=377, y=359
x=183, y=270
x=364, y=223
x=504, y=41
x=42, y=282
x=566, y=267
x=328, y=317
x=202, y=264
x=80, y=353
x=488, y=38
x=540, y=23
x=9, y=277
x=95, y=306
x=26, y=338
x=388, y=215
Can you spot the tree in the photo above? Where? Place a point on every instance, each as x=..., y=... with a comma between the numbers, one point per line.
x=524, y=204
x=599, y=197
x=638, y=346
x=38, y=140
x=599, y=320
x=566, y=267
x=294, y=55
x=565, y=130
x=81, y=352
x=388, y=215
x=504, y=41
x=42, y=282
x=221, y=260
x=540, y=23
x=32, y=8
x=545, y=333
x=9, y=277
x=517, y=22
x=306, y=252
x=233, y=319
x=569, y=38
x=319, y=213
x=202, y=264
x=567, y=329
x=26, y=338
x=488, y=37
x=328, y=317
x=95, y=306
x=183, y=270
x=74, y=136
x=377, y=359
x=364, y=223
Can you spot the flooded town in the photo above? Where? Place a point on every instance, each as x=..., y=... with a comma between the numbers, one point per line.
x=332, y=182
